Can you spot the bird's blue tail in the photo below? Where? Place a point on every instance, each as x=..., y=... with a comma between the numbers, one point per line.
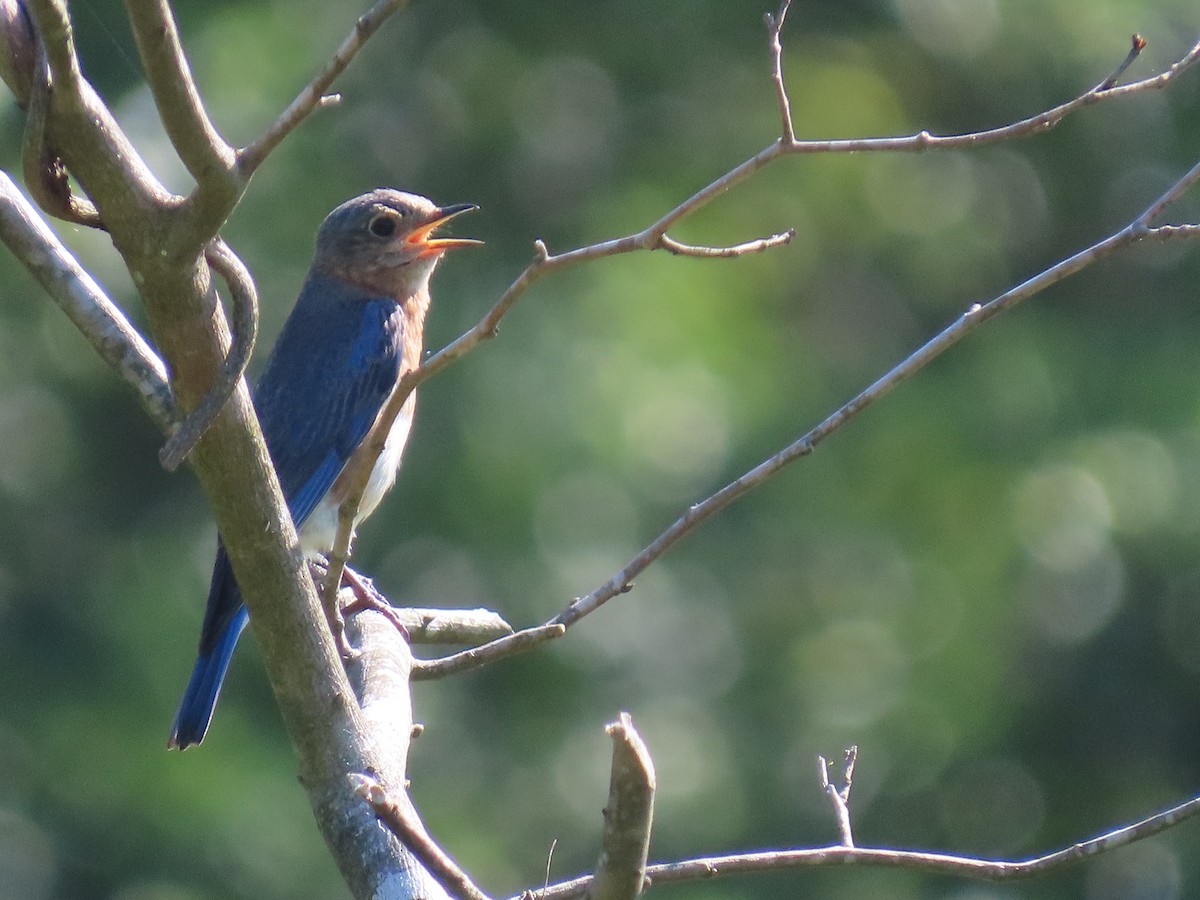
x=200, y=698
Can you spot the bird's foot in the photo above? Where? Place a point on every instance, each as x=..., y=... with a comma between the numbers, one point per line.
x=367, y=597
x=333, y=612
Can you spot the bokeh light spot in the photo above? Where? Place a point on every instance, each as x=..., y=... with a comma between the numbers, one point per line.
x=1062, y=516
x=36, y=441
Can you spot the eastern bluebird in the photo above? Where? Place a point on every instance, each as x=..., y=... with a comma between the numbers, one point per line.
x=357, y=327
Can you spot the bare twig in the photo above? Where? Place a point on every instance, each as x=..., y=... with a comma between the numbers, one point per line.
x=413, y=835
x=628, y=817
x=1035, y=124
x=1137, y=45
x=622, y=581
x=314, y=94
x=757, y=246
x=775, y=45
x=839, y=797
x=200, y=147
x=933, y=863
x=244, y=325
x=464, y=661
x=655, y=237
x=975, y=316
x=70, y=286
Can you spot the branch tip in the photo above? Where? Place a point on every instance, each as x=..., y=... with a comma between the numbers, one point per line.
x=1137, y=45
x=313, y=95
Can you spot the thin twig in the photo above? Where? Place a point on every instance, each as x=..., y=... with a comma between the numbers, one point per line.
x=839, y=797
x=970, y=320
x=314, y=94
x=244, y=327
x=775, y=45
x=1137, y=45
x=520, y=642
x=757, y=246
x=933, y=863
x=1033, y=125
x=622, y=581
x=413, y=836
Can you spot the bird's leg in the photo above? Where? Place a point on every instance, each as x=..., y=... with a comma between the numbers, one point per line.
x=366, y=596
x=333, y=610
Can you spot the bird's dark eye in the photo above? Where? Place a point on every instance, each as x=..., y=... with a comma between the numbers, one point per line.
x=383, y=226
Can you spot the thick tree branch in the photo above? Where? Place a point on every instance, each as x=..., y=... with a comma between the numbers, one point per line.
x=200, y=147
x=76, y=293
x=18, y=46
x=162, y=248
x=393, y=868
x=84, y=133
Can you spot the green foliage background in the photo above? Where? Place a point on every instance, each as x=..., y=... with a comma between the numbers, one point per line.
x=989, y=582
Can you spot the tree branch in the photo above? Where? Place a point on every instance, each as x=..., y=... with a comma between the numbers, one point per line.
x=775, y=46
x=628, y=817
x=161, y=245
x=839, y=797
x=622, y=582
x=200, y=147
x=18, y=47
x=84, y=132
x=912, y=860
x=313, y=95
x=76, y=293
x=398, y=819
x=654, y=238
x=244, y=300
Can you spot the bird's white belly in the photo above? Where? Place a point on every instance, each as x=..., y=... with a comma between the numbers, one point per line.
x=320, y=530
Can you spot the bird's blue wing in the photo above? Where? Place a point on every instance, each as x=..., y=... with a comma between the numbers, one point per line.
x=333, y=368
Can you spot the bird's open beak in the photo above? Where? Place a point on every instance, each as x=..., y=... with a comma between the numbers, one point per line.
x=430, y=245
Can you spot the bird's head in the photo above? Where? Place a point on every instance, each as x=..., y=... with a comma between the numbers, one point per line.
x=383, y=241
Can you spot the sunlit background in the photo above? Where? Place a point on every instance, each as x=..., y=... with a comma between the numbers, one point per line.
x=990, y=582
